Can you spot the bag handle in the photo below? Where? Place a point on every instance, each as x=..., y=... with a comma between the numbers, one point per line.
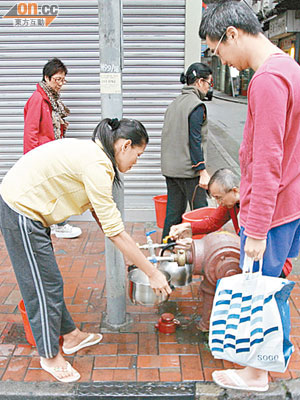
x=194, y=195
x=249, y=263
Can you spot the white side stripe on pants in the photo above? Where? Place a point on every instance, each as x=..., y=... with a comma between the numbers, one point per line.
x=38, y=286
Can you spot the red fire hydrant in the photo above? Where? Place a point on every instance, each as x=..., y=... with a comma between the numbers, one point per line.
x=215, y=256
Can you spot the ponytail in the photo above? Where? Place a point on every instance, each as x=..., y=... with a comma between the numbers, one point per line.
x=108, y=131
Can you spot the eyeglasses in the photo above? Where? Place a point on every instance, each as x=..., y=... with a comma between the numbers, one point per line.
x=219, y=42
x=210, y=83
x=60, y=80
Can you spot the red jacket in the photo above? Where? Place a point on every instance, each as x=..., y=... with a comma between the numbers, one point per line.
x=220, y=216
x=215, y=221
x=38, y=126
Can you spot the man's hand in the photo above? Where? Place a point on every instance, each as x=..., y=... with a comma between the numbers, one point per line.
x=184, y=244
x=204, y=179
x=255, y=248
x=181, y=231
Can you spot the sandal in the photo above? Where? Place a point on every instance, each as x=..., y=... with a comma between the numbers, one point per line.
x=92, y=339
x=56, y=371
x=237, y=381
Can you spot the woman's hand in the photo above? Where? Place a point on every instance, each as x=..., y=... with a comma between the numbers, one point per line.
x=159, y=283
x=204, y=179
x=255, y=248
x=128, y=247
x=181, y=231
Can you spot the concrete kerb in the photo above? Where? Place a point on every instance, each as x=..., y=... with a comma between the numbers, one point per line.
x=281, y=390
x=225, y=97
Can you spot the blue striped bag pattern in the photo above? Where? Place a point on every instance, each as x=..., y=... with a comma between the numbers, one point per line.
x=250, y=321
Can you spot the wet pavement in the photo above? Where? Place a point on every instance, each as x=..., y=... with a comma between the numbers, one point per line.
x=137, y=352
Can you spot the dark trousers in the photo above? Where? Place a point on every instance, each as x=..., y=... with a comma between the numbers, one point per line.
x=31, y=253
x=180, y=193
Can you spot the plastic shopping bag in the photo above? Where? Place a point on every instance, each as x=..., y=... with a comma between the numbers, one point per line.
x=250, y=320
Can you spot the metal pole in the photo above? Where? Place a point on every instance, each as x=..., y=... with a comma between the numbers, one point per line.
x=110, y=34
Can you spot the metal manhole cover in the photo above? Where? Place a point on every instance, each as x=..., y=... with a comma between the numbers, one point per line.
x=15, y=334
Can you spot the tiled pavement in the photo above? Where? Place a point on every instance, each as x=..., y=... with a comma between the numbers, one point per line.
x=135, y=353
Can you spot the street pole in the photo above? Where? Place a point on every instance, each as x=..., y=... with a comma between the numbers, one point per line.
x=110, y=36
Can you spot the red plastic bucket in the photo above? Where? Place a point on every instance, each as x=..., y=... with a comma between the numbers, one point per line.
x=160, y=203
x=28, y=332
x=197, y=214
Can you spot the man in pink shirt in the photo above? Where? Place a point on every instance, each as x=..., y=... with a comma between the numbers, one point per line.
x=269, y=153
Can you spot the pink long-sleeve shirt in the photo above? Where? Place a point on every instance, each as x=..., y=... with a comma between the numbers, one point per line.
x=270, y=150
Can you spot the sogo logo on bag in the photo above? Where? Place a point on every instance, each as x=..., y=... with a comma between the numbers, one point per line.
x=267, y=357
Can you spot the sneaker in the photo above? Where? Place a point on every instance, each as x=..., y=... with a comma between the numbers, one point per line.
x=65, y=231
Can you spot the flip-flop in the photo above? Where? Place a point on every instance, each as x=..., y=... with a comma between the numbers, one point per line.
x=238, y=382
x=90, y=340
x=55, y=372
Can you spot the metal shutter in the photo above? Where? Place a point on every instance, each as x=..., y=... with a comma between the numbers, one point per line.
x=154, y=33
x=74, y=38
x=153, y=60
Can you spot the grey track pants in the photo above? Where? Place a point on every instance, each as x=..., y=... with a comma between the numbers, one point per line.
x=31, y=253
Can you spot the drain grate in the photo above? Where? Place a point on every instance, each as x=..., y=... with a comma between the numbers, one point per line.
x=136, y=391
x=15, y=334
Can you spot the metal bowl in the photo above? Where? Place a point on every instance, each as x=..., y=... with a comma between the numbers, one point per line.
x=140, y=291
x=180, y=275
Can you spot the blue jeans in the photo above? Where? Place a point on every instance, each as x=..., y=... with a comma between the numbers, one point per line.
x=282, y=242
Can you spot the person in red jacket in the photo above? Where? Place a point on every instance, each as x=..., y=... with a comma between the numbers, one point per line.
x=44, y=121
x=224, y=187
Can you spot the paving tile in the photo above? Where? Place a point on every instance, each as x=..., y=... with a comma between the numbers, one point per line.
x=148, y=375
x=25, y=350
x=14, y=297
x=127, y=348
x=35, y=363
x=278, y=376
x=16, y=369
x=120, y=338
x=6, y=349
x=113, y=362
x=102, y=375
x=4, y=317
x=84, y=365
x=38, y=375
x=207, y=373
x=147, y=344
x=3, y=362
x=7, y=308
x=191, y=368
x=170, y=375
x=163, y=338
x=148, y=361
x=176, y=348
x=124, y=375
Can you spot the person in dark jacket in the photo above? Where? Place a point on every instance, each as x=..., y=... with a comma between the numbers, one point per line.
x=183, y=146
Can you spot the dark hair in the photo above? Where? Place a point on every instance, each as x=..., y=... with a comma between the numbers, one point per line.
x=195, y=71
x=219, y=16
x=225, y=178
x=53, y=67
x=108, y=131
